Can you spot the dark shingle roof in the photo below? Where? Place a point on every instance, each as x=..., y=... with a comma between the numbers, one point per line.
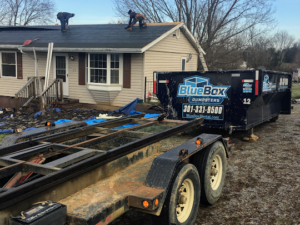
x=84, y=36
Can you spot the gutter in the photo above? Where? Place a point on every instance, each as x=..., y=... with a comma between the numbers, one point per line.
x=11, y=46
x=116, y=50
x=45, y=49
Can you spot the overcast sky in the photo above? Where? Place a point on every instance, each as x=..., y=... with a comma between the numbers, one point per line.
x=101, y=11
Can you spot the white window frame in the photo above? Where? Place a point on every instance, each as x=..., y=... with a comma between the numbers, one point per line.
x=184, y=63
x=16, y=64
x=106, y=86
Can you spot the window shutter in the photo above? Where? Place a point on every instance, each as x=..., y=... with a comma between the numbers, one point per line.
x=81, y=69
x=126, y=70
x=19, y=66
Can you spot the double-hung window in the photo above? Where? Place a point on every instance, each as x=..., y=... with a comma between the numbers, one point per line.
x=8, y=62
x=98, y=68
x=114, y=68
x=104, y=69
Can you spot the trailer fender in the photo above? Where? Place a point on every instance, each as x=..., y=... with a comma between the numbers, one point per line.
x=164, y=166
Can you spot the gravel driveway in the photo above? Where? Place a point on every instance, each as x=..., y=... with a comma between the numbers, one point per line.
x=263, y=178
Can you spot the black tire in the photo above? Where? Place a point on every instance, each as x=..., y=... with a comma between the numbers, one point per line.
x=184, y=173
x=274, y=119
x=203, y=162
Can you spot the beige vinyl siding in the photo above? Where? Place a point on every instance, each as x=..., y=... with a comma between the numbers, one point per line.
x=166, y=55
x=127, y=95
x=77, y=91
x=10, y=86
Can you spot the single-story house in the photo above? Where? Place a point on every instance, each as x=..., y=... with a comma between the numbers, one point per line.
x=100, y=64
x=296, y=74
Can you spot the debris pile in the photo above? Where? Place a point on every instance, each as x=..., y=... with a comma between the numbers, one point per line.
x=10, y=120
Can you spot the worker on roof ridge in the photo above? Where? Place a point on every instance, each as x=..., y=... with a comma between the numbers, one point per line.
x=64, y=19
x=134, y=17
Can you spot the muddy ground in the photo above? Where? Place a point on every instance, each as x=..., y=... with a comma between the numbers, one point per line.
x=263, y=178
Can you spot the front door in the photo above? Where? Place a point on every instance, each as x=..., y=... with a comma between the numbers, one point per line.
x=61, y=70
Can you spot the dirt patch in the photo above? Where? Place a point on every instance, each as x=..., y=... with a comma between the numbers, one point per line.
x=263, y=178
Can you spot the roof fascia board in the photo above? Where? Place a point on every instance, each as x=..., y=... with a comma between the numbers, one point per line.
x=117, y=50
x=151, y=44
x=192, y=39
x=11, y=46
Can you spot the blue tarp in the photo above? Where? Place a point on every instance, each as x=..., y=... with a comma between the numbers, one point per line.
x=93, y=121
x=61, y=121
x=154, y=116
x=40, y=112
x=5, y=117
x=127, y=125
x=133, y=112
x=56, y=109
x=37, y=114
x=6, y=131
x=28, y=129
x=129, y=107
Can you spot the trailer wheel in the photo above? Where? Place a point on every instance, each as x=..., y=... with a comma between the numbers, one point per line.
x=211, y=164
x=183, y=199
x=274, y=119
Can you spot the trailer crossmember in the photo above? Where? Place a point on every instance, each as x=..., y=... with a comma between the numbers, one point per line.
x=91, y=159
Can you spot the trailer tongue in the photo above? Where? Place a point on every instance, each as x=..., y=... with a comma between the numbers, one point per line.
x=231, y=100
x=94, y=174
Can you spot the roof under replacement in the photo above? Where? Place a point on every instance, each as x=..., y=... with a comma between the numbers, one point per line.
x=84, y=37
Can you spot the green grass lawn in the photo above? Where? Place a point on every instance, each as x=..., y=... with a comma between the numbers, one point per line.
x=2, y=136
x=296, y=90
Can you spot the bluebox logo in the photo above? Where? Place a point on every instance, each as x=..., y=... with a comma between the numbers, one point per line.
x=197, y=86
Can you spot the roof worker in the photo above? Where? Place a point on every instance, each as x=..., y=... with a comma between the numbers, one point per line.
x=64, y=19
x=134, y=17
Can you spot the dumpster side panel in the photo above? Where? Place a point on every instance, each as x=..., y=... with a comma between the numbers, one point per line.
x=236, y=100
x=276, y=92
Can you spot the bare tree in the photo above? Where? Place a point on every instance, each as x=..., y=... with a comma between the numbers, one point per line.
x=216, y=23
x=268, y=50
x=25, y=12
x=2, y=12
x=282, y=41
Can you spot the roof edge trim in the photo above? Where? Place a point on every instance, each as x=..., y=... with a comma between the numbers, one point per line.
x=117, y=50
x=193, y=39
x=11, y=46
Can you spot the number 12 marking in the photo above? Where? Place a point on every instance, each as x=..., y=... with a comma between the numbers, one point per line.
x=246, y=101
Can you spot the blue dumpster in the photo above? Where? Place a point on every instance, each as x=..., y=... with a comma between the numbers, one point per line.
x=231, y=100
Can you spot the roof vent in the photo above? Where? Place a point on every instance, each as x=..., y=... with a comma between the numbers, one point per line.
x=64, y=20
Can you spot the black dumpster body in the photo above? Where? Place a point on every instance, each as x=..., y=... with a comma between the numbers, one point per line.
x=231, y=100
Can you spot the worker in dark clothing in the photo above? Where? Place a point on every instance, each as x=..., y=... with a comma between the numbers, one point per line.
x=134, y=18
x=64, y=19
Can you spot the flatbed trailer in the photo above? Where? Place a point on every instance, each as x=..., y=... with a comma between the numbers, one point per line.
x=94, y=174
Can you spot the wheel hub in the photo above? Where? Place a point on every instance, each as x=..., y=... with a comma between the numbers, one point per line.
x=182, y=199
x=216, y=172
x=185, y=200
